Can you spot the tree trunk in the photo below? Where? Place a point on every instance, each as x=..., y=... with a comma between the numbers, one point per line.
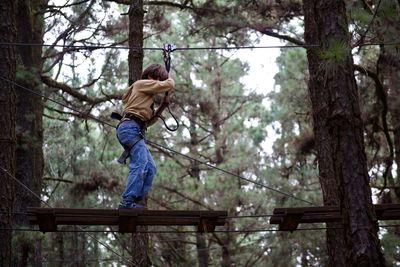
x=220, y=140
x=7, y=121
x=59, y=245
x=29, y=154
x=201, y=242
x=339, y=135
x=140, y=241
x=135, y=57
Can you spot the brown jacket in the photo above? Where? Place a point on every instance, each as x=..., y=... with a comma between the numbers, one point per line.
x=139, y=97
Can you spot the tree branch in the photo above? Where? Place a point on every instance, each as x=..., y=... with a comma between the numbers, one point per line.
x=267, y=31
x=73, y=92
x=381, y=94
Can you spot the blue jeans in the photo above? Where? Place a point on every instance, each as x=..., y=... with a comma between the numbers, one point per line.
x=142, y=168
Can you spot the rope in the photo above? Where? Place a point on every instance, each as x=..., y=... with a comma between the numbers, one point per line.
x=190, y=232
x=26, y=229
x=168, y=232
x=161, y=146
x=168, y=48
x=102, y=46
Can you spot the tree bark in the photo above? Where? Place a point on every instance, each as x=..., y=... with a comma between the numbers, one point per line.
x=338, y=130
x=29, y=154
x=140, y=241
x=135, y=57
x=7, y=121
x=201, y=242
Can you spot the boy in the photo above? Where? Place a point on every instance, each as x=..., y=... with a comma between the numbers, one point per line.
x=138, y=103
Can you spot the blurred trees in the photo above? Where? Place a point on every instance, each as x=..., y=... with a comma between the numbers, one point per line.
x=223, y=123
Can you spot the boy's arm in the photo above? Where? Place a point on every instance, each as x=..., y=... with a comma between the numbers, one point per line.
x=127, y=94
x=154, y=86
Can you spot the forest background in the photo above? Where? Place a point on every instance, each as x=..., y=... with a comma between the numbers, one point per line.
x=69, y=159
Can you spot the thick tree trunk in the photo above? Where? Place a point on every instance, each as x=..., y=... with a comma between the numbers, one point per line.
x=7, y=131
x=29, y=154
x=135, y=57
x=339, y=135
x=140, y=241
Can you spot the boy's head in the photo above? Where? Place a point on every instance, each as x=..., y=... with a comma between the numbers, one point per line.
x=155, y=71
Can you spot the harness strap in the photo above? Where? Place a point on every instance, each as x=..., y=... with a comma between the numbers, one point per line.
x=127, y=148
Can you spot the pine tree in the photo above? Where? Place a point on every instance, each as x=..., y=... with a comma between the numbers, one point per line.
x=338, y=131
x=8, y=34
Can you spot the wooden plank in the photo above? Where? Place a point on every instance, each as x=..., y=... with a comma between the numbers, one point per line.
x=126, y=219
x=322, y=209
x=116, y=212
x=47, y=221
x=127, y=222
x=207, y=224
x=289, y=218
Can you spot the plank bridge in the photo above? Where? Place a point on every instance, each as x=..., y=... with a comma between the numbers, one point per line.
x=126, y=219
x=289, y=218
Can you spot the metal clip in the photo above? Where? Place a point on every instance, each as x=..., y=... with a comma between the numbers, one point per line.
x=169, y=47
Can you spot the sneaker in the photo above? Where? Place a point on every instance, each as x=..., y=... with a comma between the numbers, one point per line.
x=130, y=205
x=138, y=206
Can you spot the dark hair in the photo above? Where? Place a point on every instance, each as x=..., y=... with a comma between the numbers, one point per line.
x=155, y=71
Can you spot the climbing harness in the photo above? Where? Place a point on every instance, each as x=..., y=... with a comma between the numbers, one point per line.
x=128, y=147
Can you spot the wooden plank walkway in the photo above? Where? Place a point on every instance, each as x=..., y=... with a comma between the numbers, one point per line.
x=289, y=218
x=127, y=219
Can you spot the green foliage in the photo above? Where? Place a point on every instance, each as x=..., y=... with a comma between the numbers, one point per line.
x=336, y=51
x=390, y=241
x=221, y=125
x=361, y=15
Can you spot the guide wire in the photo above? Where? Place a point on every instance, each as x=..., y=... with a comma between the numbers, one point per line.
x=163, y=147
x=170, y=232
x=190, y=231
x=231, y=173
x=82, y=229
x=100, y=46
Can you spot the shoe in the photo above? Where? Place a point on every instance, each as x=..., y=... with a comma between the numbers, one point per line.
x=130, y=205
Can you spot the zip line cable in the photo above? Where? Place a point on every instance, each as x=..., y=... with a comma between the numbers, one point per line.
x=153, y=252
x=92, y=47
x=231, y=173
x=100, y=46
x=171, y=232
x=88, y=115
x=24, y=186
x=161, y=146
x=82, y=229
